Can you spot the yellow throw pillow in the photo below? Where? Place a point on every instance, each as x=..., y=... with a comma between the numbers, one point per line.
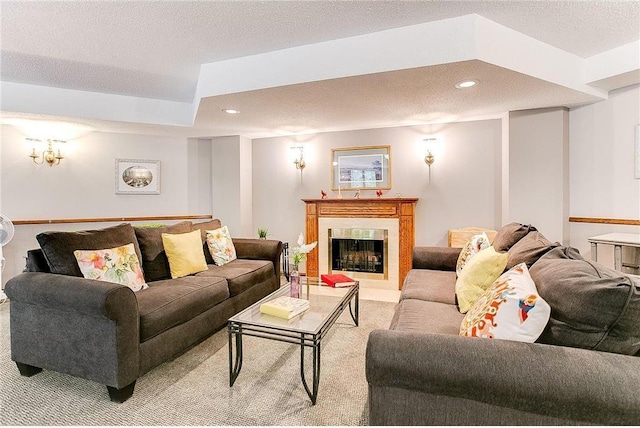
x=185, y=253
x=477, y=275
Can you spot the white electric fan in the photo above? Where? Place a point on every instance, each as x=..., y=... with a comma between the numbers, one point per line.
x=6, y=233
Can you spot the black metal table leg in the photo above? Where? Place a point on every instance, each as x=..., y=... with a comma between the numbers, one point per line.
x=312, y=393
x=235, y=366
x=355, y=316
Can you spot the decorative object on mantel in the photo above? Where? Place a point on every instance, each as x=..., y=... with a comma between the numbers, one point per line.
x=298, y=255
x=324, y=194
x=339, y=192
x=361, y=167
x=379, y=193
x=135, y=176
x=357, y=194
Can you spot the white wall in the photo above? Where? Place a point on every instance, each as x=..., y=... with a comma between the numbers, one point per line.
x=602, y=180
x=464, y=188
x=538, y=171
x=83, y=185
x=231, y=160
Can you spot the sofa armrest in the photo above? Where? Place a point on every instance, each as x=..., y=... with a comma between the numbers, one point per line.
x=73, y=294
x=435, y=258
x=554, y=381
x=73, y=325
x=259, y=249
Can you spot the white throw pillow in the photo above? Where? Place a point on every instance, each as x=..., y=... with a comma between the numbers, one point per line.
x=119, y=265
x=471, y=248
x=221, y=246
x=510, y=309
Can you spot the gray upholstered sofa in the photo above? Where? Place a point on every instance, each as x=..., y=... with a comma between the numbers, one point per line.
x=105, y=332
x=421, y=372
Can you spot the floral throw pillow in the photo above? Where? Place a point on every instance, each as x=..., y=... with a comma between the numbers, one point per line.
x=471, y=248
x=221, y=246
x=119, y=265
x=511, y=309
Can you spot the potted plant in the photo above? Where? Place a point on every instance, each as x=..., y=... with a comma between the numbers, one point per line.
x=262, y=233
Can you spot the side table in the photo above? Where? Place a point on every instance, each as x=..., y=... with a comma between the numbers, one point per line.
x=618, y=240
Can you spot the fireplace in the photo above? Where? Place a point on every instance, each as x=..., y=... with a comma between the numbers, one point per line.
x=363, y=252
x=393, y=215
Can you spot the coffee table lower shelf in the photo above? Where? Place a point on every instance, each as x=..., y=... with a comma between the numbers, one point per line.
x=250, y=323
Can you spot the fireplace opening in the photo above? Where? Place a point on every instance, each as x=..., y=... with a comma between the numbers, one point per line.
x=362, y=252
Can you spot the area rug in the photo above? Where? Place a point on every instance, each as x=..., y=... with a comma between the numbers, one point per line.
x=193, y=389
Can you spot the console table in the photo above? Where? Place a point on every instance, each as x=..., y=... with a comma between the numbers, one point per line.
x=618, y=240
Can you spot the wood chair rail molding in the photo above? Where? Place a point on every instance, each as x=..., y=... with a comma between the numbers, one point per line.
x=626, y=222
x=401, y=208
x=112, y=219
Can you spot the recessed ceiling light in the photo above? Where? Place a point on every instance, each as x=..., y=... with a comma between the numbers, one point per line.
x=466, y=84
x=231, y=111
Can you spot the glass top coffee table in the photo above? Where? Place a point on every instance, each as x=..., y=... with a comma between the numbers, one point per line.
x=305, y=330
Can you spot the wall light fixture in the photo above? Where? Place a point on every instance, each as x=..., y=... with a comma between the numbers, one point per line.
x=52, y=154
x=430, y=158
x=297, y=153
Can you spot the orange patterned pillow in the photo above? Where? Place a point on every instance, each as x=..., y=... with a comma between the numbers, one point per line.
x=511, y=309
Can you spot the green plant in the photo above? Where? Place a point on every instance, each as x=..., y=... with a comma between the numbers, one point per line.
x=262, y=232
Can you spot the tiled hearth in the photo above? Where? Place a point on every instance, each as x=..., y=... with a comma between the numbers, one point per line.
x=395, y=215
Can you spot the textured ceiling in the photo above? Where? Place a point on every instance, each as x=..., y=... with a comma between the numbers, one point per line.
x=154, y=49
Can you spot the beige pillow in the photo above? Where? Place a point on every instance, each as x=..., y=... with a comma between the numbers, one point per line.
x=184, y=252
x=478, y=274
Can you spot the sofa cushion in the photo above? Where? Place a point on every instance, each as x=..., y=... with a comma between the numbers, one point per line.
x=592, y=306
x=119, y=265
x=241, y=274
x=221, y=246
x=184, y=252
x=426, y=317
x=58, y=247
x=471, y=248
x=511, y=309
x=529, y=249
x=510, y=234
x=429, y=285
x=484, y=268
x=168, y=303
x=154, y=258
x=203, y=227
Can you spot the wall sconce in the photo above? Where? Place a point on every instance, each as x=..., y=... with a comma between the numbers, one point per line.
x=51, y=155
x=298, y=158
x=430, y=158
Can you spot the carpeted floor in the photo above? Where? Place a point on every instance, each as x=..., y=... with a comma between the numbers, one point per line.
x=193, y=389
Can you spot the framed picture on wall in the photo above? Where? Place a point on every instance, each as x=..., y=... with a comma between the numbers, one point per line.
x=361, y=168
x=137, y=177
x=637, y=153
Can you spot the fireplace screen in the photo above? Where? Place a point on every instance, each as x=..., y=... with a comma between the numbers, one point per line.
x=358, y=250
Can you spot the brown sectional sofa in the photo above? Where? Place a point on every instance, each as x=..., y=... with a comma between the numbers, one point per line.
x=584, y=368
x=105, y=332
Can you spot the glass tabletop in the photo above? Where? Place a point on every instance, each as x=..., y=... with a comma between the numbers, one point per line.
x=321, y=309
